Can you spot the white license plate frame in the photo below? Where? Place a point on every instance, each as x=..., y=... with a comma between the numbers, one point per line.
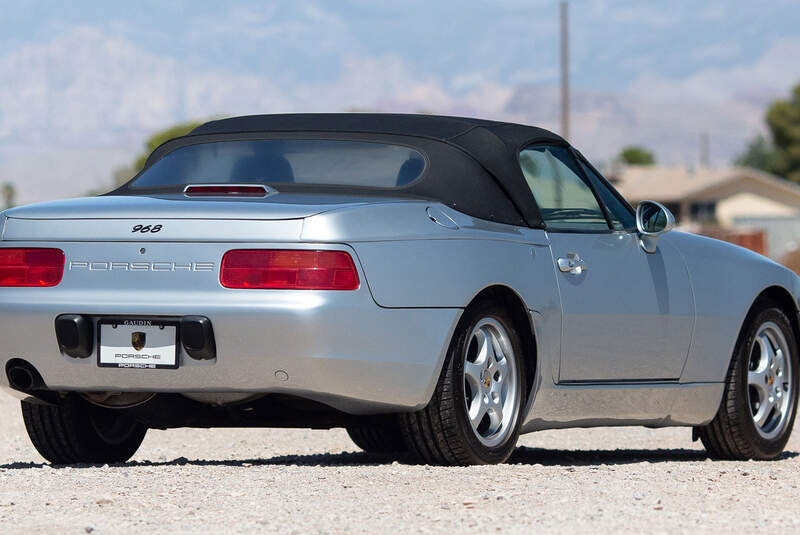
x=163, y=355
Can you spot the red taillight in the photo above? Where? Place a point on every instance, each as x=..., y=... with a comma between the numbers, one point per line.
x=31, y=267
x=270, y=269
x=225, y=191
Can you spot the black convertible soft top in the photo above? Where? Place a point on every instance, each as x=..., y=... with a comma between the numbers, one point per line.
x=493, y=189
x=439, y=127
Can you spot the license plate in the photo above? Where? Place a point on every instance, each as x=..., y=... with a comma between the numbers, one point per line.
x=137, y=343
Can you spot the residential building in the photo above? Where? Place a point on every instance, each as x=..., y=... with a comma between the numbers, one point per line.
x=733, y=203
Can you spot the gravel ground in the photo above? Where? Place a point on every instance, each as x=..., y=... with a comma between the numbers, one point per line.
x=298, y=481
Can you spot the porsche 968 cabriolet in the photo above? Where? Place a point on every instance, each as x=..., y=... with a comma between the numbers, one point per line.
x=435, y=285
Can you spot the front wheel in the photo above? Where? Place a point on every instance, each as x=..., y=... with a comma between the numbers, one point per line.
x=78, y=432
x=758, y=407
x=476, y=410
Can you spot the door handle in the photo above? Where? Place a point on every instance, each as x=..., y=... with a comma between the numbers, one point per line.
x=572, y=264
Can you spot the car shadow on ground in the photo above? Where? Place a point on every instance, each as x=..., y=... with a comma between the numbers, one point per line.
x=550, y=457
x=521, y=456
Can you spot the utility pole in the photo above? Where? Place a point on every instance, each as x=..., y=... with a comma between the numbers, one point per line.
x=564, y=71
x=705, y=150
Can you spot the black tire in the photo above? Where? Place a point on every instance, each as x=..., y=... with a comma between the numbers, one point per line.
x=385, y=438
x=441, y=433
x=77, y=432
x=733, y=434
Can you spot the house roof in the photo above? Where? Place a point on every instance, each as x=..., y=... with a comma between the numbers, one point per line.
x=676, y=183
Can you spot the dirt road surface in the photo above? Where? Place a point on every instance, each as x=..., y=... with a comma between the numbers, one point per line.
x=299, y=481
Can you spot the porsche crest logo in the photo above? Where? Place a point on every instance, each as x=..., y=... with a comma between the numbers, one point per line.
x=138, y=339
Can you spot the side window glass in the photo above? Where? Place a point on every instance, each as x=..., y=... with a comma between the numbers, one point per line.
x=565, y=201
x=621, y=217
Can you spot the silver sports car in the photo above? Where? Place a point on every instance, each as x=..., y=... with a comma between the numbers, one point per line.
x=436, y=285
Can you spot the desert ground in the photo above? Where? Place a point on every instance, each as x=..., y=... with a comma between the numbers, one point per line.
x=302, y=481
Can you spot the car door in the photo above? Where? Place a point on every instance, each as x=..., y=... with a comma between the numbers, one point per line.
x=627, y=314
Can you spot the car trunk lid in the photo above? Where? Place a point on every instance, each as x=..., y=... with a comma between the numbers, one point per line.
x=173, y=217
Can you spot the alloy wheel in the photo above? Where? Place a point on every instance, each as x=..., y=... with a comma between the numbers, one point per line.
x=769, y=381
x=491, y=391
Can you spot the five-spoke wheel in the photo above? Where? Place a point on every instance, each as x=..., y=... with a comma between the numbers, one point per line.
x=758, y=406
x=475, y=414
x=490, y=382
x=769, y=380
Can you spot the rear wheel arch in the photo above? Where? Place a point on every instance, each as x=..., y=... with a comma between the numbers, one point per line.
x=515, y=305
x=447, y=430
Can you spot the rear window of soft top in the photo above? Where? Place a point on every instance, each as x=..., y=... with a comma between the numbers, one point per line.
x=292, y=161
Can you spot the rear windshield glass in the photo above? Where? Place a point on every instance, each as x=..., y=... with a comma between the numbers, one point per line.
x=333, y=162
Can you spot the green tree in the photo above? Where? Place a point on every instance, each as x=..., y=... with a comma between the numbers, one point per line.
x=122, y=174
x=759, y=154
x=637, y=155
x=783, y=121
x=779, y=153
x=8, y=194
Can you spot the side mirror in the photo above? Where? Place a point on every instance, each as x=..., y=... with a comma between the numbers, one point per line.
x=652, y=220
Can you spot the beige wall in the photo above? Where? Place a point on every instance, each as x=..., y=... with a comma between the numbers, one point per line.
x=750, y=205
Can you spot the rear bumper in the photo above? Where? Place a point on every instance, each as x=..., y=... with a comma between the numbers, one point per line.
x=358, y=359
x=336, y=347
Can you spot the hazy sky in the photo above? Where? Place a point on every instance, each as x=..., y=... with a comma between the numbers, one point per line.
x=82, y=83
